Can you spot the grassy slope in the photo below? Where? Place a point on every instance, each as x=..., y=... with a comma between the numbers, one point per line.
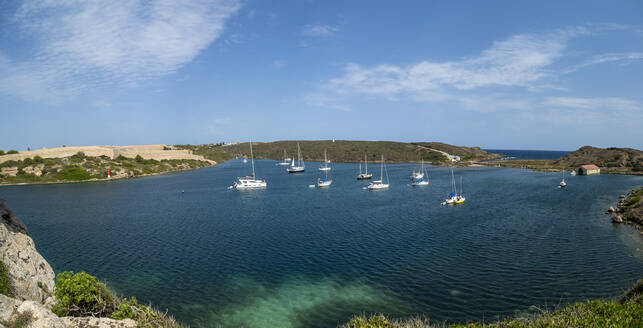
x=350, y=151
x=610, y=160
x=626, y=312
x=81, y=168
x=631, y=208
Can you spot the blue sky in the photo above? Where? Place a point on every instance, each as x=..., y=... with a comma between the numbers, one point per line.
x=495, y=74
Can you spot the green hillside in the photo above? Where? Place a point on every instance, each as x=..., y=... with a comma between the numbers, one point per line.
x=610, y=158
x=353, y=151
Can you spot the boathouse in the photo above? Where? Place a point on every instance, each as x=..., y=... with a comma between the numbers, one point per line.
x=589, y=169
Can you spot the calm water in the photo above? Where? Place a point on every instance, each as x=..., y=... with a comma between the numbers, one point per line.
x=529, y=154
x=294, y=256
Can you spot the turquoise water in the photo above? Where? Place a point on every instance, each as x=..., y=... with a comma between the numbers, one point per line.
x=294, y=256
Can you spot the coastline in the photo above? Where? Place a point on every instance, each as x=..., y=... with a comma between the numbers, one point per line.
x=104, y=179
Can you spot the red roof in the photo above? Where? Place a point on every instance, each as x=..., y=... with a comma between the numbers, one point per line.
x=590, y=167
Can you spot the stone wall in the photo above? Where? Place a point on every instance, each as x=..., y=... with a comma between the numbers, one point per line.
x=156, y=152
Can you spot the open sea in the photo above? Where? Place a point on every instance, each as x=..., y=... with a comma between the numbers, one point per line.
x=294, y=256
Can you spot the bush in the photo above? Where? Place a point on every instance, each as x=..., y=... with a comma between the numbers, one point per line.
x=27, y=161
x=12, y=151
x=38, y=160
x=1, y=152
x=81, y=295
x=4, y=281
x=74, y=173
x=144, y=315
x=139, y=159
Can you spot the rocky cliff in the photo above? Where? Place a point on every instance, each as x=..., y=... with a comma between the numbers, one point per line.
x=30, y=281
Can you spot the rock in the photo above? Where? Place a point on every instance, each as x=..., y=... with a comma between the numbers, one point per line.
x=30, y=277
x=610, y=209
x=621, y=196
x=10, y=220
x=617, y=219
x=92, y=322
x=8, y=306
x=41, y=316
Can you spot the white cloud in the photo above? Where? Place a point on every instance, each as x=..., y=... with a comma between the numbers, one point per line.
x=621, y=58
x=81, y=44
x=517, y=61
x=609, y=103
x=319, y=30
x=507, y=75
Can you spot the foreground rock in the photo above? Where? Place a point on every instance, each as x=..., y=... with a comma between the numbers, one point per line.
x=30, y=276
x=630, y=209
x=31, y=283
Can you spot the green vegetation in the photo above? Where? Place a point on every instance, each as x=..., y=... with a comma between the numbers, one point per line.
x=80, y=167
x=74, y=173
x=631, y=208
x=80, y=294
x=610, y=160
x=1, y=152
x=12, y=151
x=353, y=151
x=144, y=315
x=627, y=312
x=213, y=152
x=4, y=281
x=18, y=320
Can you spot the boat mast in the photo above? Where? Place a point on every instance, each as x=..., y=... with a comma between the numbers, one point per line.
x=366, y=164
x=252, y=159
x=455, y=191
x=460, y=185
x=382, y=169
x=325, y=158
x=360, y=167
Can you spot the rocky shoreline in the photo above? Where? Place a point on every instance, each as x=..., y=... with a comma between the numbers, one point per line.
x=29, y=298
x=629, y=209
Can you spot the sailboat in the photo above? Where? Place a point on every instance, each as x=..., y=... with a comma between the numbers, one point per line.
x=286, y=161
x=419, y=174
x=325, y=167
x=379, y=184
x=453, y=197
x=325, y=181
x=421, y=181
x=249, y=181
x=562, y=183
x=300, y=164
x=365, y=175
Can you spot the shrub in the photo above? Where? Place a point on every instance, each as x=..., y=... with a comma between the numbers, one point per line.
x=139, y=159
x=38, y=160
x=73, y=173
x=12, y=151
x=144, y=315
x=4, y=281
x=27, y=161
x=81, y=295
x=1, y=152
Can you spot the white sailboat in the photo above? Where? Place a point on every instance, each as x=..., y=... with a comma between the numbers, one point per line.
x=453, y=197
x=365, y=175
x=423, y=180
x=326, y=161
x=286, y=161
x=419, y=174
x=300, y=164
x=325, y=181
x=249, y=181
x=562, y=183
x=379, y=184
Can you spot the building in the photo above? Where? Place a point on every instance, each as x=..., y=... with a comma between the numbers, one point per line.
x=589, y=169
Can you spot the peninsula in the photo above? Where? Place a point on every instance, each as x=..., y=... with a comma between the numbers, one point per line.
x=97, y=163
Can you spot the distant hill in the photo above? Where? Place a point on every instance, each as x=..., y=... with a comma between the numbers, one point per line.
x=610, y=158
x=353, y=151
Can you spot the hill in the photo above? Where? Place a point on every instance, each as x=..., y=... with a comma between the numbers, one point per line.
x=610, y=158
x=353, y=151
